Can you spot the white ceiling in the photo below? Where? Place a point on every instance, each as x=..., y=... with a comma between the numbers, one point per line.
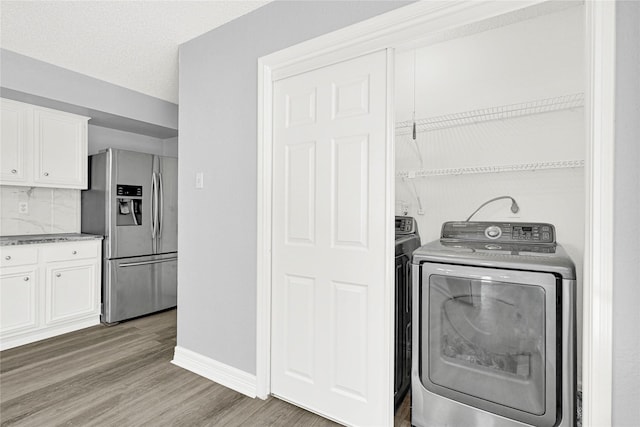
x=128, y=43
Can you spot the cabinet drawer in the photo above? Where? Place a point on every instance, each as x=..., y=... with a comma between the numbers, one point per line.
x=69, y=251
x=12, y=256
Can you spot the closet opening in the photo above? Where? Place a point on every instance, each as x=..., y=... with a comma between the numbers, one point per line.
x=527, y=126
x=492, y=110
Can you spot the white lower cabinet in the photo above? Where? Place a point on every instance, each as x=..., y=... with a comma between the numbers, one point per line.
x=47, y=290
x=67, y=292
x=18, y=300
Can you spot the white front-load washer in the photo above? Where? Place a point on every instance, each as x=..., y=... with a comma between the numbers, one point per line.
x=494, y=328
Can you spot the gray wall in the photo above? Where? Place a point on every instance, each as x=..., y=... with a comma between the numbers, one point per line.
x=170, y=147
x=217, y=240
x=29, y=80
x=218, y=114
x=101, y=138
x=626, y=291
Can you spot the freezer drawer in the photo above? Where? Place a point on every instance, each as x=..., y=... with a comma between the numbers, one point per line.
x=137, y=286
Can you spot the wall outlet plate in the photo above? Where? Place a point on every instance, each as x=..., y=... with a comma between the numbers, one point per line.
x=23, y=207
x=404, y=207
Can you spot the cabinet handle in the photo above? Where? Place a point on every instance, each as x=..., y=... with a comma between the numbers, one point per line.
x=74, y=252
x=26, y=279
x=14, y=171
x=8, y=257
x=58, y=274
x=46, y=174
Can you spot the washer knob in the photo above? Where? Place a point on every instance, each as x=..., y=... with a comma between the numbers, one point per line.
x=493, y=232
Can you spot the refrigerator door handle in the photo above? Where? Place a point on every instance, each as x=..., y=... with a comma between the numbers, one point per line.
x=153, y=205
x=161, y=197
x=157, y=261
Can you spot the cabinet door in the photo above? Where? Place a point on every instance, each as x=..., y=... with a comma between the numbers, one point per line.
x=71, y=291
x=18, y=300
x=60, y=143
x=14, y=142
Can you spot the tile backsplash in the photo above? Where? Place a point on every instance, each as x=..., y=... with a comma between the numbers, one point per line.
x=48, y=210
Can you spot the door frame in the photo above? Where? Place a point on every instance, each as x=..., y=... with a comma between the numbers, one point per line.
x=415, y=23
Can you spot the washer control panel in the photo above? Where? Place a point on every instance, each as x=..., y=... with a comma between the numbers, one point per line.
x=530, y=232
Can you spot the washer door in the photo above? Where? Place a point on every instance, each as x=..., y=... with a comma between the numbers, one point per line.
x=488, y=339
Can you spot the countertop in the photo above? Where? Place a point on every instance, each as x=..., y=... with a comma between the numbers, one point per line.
x=29, y=239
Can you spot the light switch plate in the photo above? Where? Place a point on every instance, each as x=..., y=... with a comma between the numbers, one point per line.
x=199, y=180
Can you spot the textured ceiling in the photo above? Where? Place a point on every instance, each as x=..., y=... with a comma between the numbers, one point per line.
x=128, y=43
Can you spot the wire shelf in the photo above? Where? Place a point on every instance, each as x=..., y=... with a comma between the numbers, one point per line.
x=564, y=102
x=424, y=173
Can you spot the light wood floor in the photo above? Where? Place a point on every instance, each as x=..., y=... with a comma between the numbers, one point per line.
x=121, y=376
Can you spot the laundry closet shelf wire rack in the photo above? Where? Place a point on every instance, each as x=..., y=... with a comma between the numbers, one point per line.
x=521, y=167
x=539, y=106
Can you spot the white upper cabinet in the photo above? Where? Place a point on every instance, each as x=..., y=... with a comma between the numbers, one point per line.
x=45, y=148
x=60, y=145
x=16, y=126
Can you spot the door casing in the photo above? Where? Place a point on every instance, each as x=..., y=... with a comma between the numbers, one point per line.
x=418, y=22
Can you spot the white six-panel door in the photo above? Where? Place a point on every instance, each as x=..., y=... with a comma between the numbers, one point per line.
x=329, y=352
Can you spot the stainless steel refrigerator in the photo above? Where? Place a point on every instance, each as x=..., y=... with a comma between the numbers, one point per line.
x=132, y=201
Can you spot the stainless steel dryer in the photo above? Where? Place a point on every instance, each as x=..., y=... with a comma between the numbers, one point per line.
x=407, y=241
x=494, y=333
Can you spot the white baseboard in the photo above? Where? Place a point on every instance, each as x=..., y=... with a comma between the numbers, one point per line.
x=213, y=370
x=44, y=332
